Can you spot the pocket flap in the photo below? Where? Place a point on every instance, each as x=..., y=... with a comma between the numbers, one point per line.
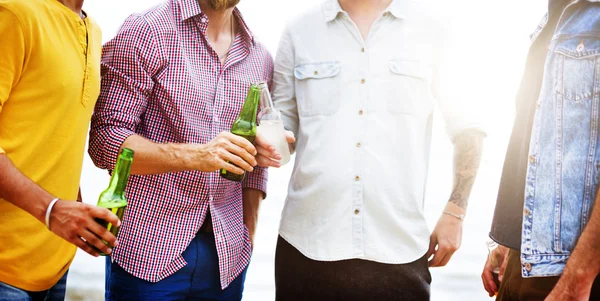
x=410, y=68
x=578, y=47
x=317, y=70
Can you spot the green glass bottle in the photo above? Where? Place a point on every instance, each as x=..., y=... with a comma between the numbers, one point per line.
x=245, y=125
x=113, y=198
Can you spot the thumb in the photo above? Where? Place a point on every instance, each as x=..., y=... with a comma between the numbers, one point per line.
x=432, y=245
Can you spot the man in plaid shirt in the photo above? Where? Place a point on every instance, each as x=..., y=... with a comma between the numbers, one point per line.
x=173, y=81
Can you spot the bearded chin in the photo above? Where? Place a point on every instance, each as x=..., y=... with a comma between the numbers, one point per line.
x=222, y=4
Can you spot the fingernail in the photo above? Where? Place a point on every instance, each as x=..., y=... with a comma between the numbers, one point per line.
x=119, y=224
x=108, y=251
x=116, y=243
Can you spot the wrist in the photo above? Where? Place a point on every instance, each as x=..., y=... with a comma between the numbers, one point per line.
x=181, y=156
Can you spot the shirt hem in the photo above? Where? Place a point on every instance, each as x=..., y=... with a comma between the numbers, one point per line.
x=317, y=258
x=27, y=286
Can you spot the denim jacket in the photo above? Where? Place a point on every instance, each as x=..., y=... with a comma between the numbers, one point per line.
x=564, y=153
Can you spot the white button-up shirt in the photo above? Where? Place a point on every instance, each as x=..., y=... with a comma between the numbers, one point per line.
x=362, y=112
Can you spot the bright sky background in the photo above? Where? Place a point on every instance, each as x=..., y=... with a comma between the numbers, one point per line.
x=493, y=38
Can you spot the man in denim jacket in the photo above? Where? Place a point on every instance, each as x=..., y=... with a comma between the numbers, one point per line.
x=544, y=217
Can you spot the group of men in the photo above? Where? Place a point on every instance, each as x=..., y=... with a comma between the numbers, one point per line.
x=356, y=82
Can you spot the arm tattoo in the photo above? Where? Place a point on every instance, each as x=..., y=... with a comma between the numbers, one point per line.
x=468, y=146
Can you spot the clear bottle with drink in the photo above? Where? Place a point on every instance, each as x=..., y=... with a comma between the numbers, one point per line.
x=113, y=198
x=270, y=125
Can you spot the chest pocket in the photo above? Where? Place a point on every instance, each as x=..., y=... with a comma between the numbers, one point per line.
x=577, y=64
x=408, y=88
x=318, y=88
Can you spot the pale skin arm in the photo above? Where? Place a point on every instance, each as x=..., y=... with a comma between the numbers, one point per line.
x=583, y=265
x=70, y=220
x=447, y=235
x=225, y=151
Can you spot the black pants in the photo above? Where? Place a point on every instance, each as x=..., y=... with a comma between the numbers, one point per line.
x=300, y=278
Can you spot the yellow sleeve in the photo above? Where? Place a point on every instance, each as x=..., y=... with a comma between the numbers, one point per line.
x=12, y=54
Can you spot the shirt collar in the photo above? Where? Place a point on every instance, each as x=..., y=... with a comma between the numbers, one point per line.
x=401, y=9
x=191, y=8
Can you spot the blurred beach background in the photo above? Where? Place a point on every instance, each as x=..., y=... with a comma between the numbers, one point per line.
x=493, y=37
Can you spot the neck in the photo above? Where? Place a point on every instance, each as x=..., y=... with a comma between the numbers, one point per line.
x=74, y=5
x=364, y=7
x=219, y=25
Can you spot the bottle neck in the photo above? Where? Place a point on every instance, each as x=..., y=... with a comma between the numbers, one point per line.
x=120, y=176
x=250, y=107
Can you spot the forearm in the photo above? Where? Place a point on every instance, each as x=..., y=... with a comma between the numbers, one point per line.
x=583, y=265
x=19, y=190
x=251, y=199
x=156, y=158
x=468, y=147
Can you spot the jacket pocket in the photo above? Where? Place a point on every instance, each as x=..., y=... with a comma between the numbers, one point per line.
x=408, y=87
x=576, y=78
x=318, y=88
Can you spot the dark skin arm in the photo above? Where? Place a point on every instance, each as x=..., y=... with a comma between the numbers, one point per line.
x=70, y=220
x=583, y=266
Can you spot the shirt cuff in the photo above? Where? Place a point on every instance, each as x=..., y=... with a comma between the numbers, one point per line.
x=113, y=142
x=257, y=180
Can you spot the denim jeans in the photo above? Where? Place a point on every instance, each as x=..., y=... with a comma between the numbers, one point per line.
x=198, y=280
x=55, y=293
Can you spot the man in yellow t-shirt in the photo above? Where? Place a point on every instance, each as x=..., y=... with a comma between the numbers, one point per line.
x=49, y=82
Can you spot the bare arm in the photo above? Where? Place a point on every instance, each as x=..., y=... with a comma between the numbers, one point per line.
x=69, y=219
x=155, y=158
x=583, y=266
x=447, y=236
x=251, y=199
x=468, y=148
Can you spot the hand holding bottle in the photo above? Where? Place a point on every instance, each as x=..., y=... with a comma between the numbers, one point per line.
x=493, y=271
x=76, y=223
x=267, y=153
x=227, y=151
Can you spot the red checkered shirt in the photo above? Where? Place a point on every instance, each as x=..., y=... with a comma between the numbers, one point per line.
x=162, y=80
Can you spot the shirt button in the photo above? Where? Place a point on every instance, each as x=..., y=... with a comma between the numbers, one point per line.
x=358, y=144
x=363, y=49
x=356, y=212
x=360, y=112
x=528, y=267
x=527, y=212
x=362, y=81
x=203, y=20
x=316, y=72
x=531, y=159
x=357, y=178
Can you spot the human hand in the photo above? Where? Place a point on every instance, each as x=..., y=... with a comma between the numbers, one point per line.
x=227, y=151
x=267, y=154
x=76, y=223
x=498, y=258
x=447, y=237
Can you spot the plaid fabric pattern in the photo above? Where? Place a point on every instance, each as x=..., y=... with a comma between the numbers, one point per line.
x=162, y=80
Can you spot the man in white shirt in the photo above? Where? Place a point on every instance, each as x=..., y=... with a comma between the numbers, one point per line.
x=353, y=80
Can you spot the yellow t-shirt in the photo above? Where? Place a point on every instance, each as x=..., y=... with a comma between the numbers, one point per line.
x=49, y=82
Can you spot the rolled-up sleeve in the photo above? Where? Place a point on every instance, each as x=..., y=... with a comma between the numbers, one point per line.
x=284, y=91
x=459, y=112
x=129, y=62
